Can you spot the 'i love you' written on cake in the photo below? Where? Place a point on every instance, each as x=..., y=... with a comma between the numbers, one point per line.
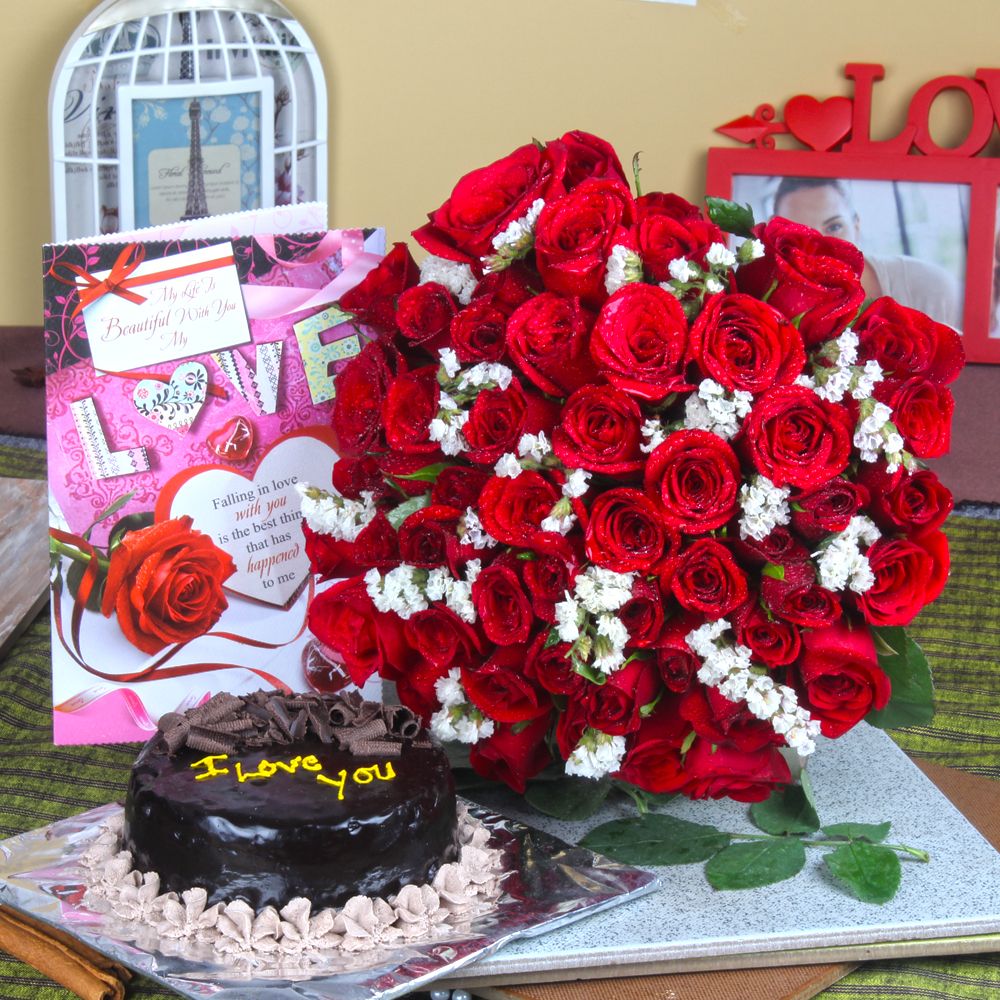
x=250, y=819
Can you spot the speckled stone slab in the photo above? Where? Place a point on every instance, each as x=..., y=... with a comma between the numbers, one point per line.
x=861, y=777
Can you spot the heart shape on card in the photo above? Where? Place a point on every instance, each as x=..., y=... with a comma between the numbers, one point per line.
x=176, y=402
x=256, y=517
x=819, y=124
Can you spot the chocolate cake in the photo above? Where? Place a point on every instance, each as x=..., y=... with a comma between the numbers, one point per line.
x=269, y=797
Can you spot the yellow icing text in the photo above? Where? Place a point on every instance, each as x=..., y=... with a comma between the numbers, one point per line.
x=267, y=769
x=361, y=776
x=211, y=770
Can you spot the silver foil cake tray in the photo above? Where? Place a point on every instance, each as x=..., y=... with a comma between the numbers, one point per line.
x=547, y=884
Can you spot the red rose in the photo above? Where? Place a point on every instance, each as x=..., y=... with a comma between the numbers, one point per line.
x=547, y=579
x=613, y=707
x=459, y=486
x=599, y=430
x=512, y=510
x=909, y=573
x=706, y=577
x=799, y=599
x=575, y=233
x=354, y=475
x=500, y=689
x=501, y=603
x=840, y=680
x=797, y=439
x=508, y=288
x=642, y=614
x=745, y=344
x=696, y=476
x=912, y=502
x=398, y=465
x=376, y=545
x=373, y=300
x=715, y=772
x=816, y=279
x=357, y=409
x=773, y=642
x=828, y=509
x=344, y=619
x=653, y=753
x=921, y=411
x=423, y=315
x=411, y=403
x=552, y=667
x=513, y=754
x=442, y=638
x=164, y=584
x=780, y=547
x=425, y=535
x=640, y=341
x=477, y=332
x=588, y=156
x=626, y=531
x=723, y=722
x=499, y=417
x=548, y=337
x=484, y=202
x=907, y=343
x=674, y=659
x=668, y=227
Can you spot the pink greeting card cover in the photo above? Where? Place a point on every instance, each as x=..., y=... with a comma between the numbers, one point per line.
x=188, y=390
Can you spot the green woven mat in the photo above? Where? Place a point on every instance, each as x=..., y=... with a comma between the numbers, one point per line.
x=42, y=783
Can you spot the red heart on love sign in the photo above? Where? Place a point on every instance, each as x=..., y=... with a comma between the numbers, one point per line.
x=818, y=124
x=233, y=440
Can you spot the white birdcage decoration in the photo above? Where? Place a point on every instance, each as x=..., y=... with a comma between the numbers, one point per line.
x=162, y=110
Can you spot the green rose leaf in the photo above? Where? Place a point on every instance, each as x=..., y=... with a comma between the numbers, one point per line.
x=869, y=871
x=733, y=218
x=428, y=474
x=912, y=700
x=747, y=866
x=74, y=577
x=873, y=832
x=397, y=516
x=568, y=798
x=786, y=811
x=655, y=839
x=774, y=571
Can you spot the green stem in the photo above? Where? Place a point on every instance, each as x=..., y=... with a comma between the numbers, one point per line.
x=62, y=549
x=915, y=851
x=640, y=802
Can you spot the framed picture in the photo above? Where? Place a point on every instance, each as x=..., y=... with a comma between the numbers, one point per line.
x=190, y=150
x=929, y=226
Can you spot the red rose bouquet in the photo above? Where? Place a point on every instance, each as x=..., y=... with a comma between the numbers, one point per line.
x=620, y=493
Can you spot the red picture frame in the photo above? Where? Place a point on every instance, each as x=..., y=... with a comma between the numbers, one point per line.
x=848, y=154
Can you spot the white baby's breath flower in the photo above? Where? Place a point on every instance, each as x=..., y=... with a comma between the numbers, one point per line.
x=457, y=278
x=577, y=483
x=655, y=434
x=713, y=286
x=720, y=254
x=682, y=270
x=562, y=524
x=508, y=466
x=764, y=507
x=567, y=614
x=449, y=689
x=398, y=591
x=596, y=755
x=449, y=362
x=534, y=446
x=331, y=514
x=715, y=410
x=485, y=372
x=472, y=532
x=624, y=268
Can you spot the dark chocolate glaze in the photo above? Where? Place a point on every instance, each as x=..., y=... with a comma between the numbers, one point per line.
x=268, y=841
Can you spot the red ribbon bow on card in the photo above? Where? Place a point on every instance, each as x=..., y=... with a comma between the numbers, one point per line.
x=117, y=280
x=121, y=281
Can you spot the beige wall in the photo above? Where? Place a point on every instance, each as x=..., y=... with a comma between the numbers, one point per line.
x=423, y=90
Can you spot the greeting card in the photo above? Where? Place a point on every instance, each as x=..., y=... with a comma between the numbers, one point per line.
x=188, y=389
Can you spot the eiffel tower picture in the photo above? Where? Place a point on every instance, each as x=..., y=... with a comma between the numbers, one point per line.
x=197, y=204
